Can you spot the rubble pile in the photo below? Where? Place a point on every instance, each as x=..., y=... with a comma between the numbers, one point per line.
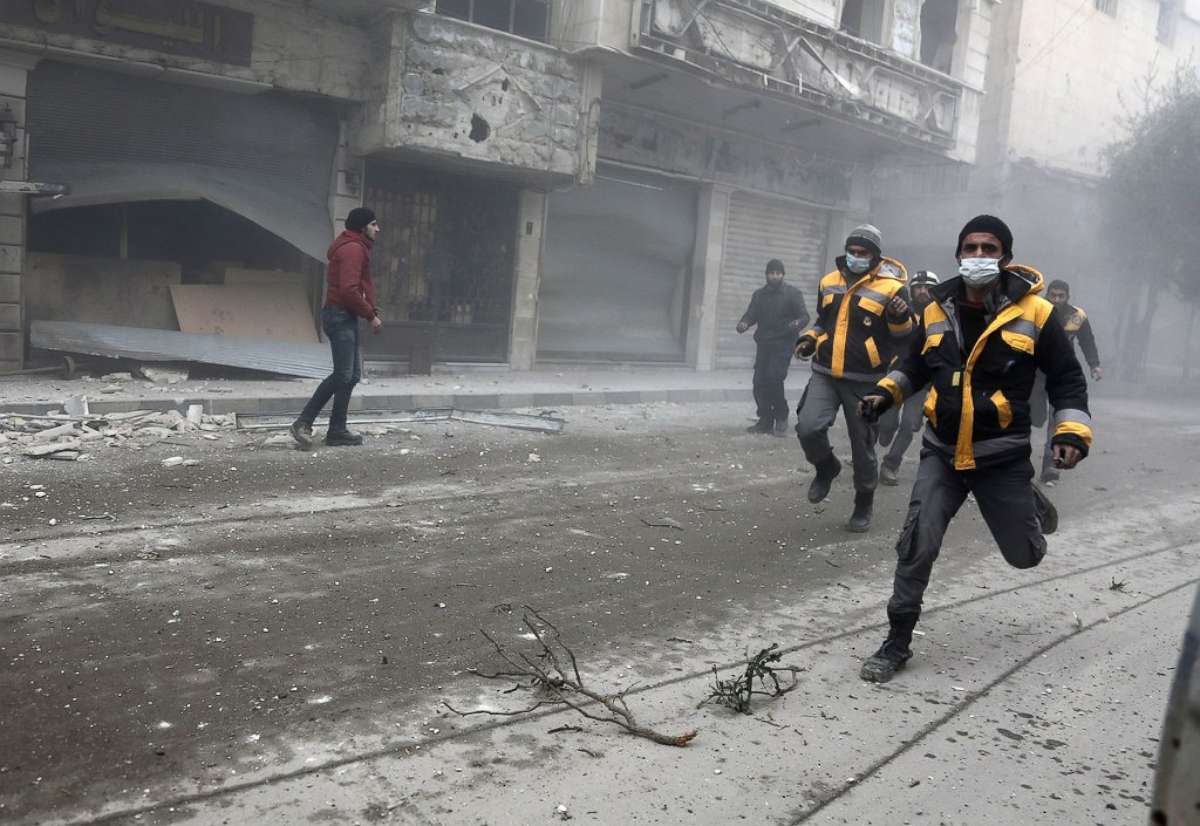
x=63, y=437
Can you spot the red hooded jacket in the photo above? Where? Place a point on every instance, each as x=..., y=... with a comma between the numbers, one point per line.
x=348, y=281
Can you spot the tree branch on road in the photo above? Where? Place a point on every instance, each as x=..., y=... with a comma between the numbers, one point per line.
x=554, y=672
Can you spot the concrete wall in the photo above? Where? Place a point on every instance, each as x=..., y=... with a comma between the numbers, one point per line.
x=454, y=89
x=1070, y=92
x=531, y=222
x=14, y=72
x=655, y=141
x=295, y=49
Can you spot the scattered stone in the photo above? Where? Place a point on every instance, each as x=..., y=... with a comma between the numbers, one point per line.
x=162, y=375
x=173, y=461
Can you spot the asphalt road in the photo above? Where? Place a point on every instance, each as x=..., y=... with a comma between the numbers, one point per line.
x=271, y=636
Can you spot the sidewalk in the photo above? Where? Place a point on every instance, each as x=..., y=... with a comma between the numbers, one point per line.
x=477, y=389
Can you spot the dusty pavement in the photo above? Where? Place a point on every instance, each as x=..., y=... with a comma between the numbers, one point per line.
x=270, y=636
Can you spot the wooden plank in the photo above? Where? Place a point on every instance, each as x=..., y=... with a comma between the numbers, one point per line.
x=287, y=358
x=100, y=290
x=242, y=277
x=273, y=312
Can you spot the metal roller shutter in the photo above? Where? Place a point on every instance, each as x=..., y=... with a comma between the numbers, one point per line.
x=115, y=138
x=757, y=230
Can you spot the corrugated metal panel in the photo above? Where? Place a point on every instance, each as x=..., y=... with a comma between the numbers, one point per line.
x=757, y=230
x=288, y=358
x=144, y=139
x=616, y=267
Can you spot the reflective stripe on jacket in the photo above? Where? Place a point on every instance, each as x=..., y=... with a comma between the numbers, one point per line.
x=854, y=338
x=978, y=403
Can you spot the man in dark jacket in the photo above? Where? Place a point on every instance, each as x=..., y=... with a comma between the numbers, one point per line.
x=906, y=420
x=1078, y=328
x=349, y=296
x=982, y=339
x=777, y=312
x=862, y=315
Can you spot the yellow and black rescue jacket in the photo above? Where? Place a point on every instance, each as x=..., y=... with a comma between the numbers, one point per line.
x=854, y=337
x=978, y=402
x=1079, y=328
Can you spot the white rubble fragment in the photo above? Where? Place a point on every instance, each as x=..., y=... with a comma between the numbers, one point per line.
x=173, y=461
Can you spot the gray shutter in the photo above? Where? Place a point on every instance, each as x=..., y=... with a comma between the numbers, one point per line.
x=757, y=230
x=115, y=137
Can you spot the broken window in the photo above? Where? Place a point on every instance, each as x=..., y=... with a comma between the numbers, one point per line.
x=524, y=18
x=1168, y=14
x=939, y=32
x=864, y=18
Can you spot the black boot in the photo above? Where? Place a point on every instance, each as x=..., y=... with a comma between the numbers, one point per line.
x=302, y=433
x=895, y=652
x=827, y=471
x=762, y=426
x=342, y=438
x=1046, y=512
x=860, y=520
x=781, y=428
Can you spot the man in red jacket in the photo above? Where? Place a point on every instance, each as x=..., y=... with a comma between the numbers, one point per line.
x=349, y=296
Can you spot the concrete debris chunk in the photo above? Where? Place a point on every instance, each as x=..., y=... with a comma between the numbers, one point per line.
x=41, y=451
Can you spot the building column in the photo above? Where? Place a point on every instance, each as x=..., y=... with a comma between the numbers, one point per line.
x=14, y=74
x=706, y=276
x=527, y=279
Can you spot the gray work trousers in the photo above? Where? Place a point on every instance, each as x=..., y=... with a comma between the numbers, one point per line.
x=911, y=416
x=1004, y=494
x=822, y=400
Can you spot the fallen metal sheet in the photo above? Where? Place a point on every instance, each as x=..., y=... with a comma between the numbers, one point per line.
x=514, y=421
x=289, y=358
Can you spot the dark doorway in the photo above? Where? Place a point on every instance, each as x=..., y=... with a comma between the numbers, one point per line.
x=443, y=265
x=939, y=32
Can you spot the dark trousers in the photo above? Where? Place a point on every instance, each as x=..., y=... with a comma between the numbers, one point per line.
x=823, y=398
x=770, y=371
x=1039, y=414
x=341, y=328
x=907, y=426
x=1004, y=494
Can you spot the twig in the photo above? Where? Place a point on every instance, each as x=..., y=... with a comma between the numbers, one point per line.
x=553, y=670
x=737, y=693
x=561, y=729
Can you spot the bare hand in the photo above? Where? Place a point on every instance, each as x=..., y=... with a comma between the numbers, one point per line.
x=742, y=327
x=376, y=325
x=1066, y=456
x=1097, y=373
x=898, y=308
x=805, y=347
x=871, y=407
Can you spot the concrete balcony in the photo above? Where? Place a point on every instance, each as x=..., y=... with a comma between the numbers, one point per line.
x=761, y=48
x=464, y=95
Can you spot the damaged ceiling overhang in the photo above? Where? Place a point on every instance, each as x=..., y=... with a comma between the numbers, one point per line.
x=304, y=224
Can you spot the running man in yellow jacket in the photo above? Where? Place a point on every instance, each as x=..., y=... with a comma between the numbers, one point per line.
x=982, y=339
x=862, y=317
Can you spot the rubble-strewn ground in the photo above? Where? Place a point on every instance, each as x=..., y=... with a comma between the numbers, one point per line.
x=268, y=635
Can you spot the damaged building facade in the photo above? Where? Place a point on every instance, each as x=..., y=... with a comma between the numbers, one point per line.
x=1064, y=79
x=557, y=181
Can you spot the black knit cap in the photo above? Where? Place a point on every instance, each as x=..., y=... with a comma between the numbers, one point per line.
x=775, y=265
x=1059, y=284
x=359, y=218
x=988, y=223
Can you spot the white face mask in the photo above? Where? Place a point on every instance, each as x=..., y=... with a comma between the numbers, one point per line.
x=979, y=272
x=857, y=265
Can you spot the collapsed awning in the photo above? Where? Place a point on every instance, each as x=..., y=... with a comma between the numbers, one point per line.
x=302, y=222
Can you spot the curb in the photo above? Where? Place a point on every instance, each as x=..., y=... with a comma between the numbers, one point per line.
x=283, y=405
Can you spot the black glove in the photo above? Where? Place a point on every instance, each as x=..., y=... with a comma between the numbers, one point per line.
x=805, y=347
x=872, y=406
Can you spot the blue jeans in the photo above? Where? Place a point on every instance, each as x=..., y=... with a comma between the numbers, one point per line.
x=341, y=327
